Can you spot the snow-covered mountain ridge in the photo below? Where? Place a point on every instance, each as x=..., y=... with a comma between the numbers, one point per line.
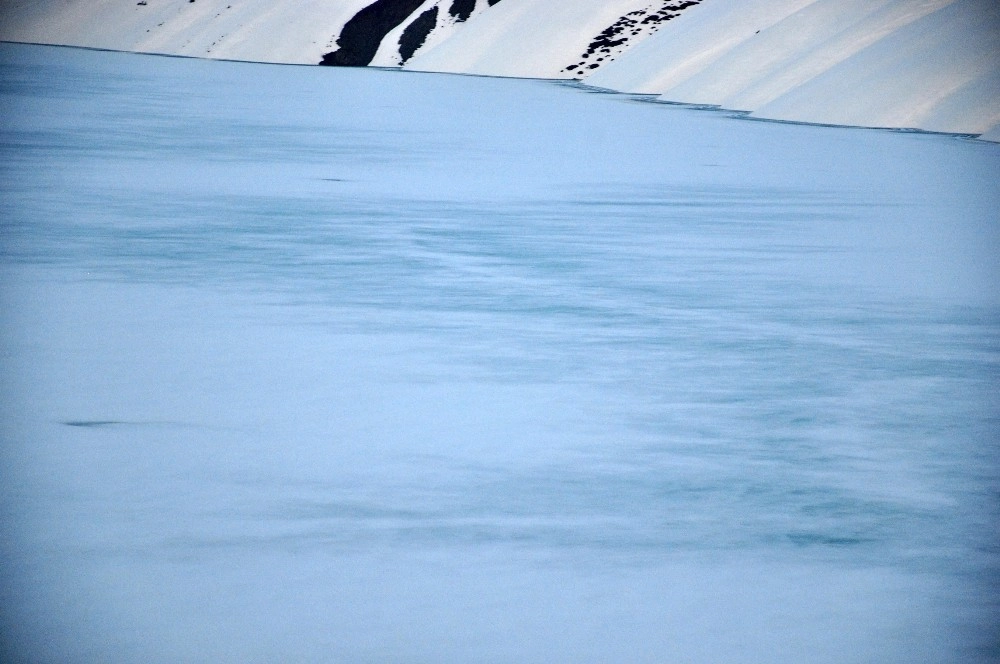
x=923, y=64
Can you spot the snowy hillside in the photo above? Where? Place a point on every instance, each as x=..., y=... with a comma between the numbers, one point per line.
x=927, y=64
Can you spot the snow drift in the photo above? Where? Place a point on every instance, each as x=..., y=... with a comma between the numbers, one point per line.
x=923, y=64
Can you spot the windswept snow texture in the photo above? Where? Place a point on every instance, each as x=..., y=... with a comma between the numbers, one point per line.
x=484, y=370
x=359, y=40
x=932, y=65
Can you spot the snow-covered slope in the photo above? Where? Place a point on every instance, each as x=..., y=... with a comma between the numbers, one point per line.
x=927, y=64
x=288, y=31
x=549, y=39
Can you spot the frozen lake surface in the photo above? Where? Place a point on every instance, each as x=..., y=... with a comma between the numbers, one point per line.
x=326, y=365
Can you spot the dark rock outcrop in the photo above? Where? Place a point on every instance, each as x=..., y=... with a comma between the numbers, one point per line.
x=359, y=40
x=616, y=37
x=415, y=33
x=462, y=9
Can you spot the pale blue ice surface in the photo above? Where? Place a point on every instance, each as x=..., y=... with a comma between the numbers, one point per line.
x=329, y=365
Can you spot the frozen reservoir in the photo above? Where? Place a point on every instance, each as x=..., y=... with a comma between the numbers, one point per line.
x=313, y=365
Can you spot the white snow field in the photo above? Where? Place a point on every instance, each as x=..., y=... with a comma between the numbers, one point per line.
x=921, y=64
x=345, y=365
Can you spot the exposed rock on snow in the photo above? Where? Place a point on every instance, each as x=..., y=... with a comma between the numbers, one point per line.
x=926, y=64
x=462, y=9
x=537, y=39
x=360, y=37
x=449, y=16
x=415, y=34
x=628, y=29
